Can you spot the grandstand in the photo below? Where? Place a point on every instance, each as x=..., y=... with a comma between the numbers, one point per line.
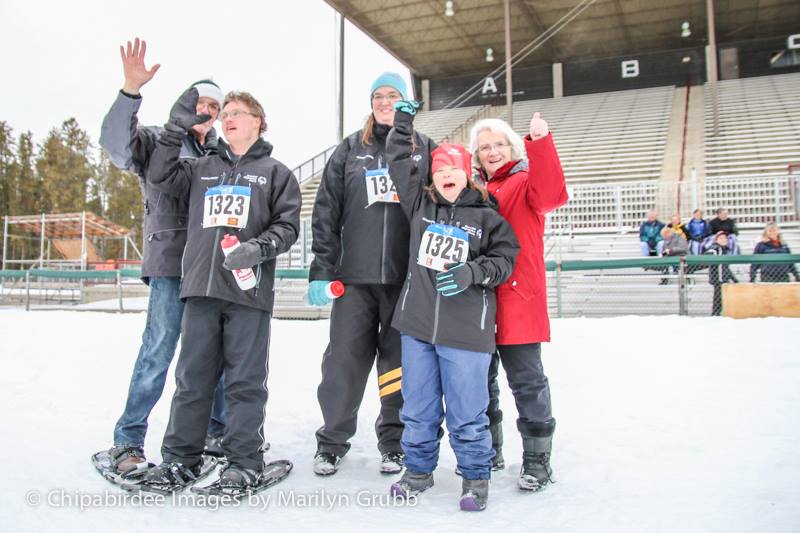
x=759, y=126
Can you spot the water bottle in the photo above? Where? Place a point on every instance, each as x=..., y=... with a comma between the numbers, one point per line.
x=245, y=277
x=334, y=289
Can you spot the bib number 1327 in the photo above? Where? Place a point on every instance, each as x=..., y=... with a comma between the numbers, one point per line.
x=442, y=244
x=226, y=205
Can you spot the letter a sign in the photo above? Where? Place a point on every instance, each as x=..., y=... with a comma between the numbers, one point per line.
x=489, y=85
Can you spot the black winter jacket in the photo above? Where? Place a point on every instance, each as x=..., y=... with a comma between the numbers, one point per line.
x=718, y=274
x=728, y=226
x=353, y=242
x=130, y=147
x=773, y=272
x=465, y=320
x=274, y=219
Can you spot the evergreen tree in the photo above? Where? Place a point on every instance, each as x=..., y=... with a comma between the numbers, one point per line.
x=66, y=169
x=27, y=184
x=8, y=164
x=122, y=201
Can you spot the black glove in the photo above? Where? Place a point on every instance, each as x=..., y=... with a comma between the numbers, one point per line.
x=183, y=114
x=404, y=112
x=457, y=278
x=247, y=255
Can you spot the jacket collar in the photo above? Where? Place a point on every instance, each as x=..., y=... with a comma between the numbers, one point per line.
x=260, y=148
x=509, y=169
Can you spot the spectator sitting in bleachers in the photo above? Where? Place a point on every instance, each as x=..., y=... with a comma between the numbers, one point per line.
x=678, y=226
x=697, y=229
x=650, y=235
x=724, y=223
x=719, y=274
x=674, y=244
x=772, y=243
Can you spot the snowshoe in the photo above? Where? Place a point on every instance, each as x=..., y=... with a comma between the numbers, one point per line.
x=168, y=478
x=235, y=481
x=108, y=463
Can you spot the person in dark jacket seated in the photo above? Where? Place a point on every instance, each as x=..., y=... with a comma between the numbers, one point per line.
x=772, y=243
x=239, y=193
x=650, y=235
x=719, y=274
x=722, y=222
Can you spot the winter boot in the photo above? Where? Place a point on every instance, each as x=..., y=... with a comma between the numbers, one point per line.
x=411, y=484
x=498, y=463
x=536, y=471
x=239, y=477
x=474, y=494
x=326, y=464
x=392, y=462
x=214, y=446
x=127, y=459
x=167, y=474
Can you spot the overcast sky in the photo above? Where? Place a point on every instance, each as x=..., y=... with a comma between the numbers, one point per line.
x=61, y=59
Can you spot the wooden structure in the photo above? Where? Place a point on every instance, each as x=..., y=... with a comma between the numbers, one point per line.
x=761, y=300
x=72, y=235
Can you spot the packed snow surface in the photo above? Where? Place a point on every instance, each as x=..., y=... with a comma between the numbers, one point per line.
x=664, y=424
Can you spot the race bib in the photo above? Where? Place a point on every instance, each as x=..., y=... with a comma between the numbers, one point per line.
x=226, y=205
x=442, y=244
x=380, y=187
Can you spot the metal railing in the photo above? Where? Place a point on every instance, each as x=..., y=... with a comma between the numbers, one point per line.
x=313, y=166
x=621, y=207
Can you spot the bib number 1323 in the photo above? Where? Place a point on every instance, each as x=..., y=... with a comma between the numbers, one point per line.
x=226, y=205
x=442, y=244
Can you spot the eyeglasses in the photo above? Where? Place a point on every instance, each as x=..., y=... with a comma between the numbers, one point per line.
x=236, y=113
x=487, y=148
x=391, y=97
x=211, y=106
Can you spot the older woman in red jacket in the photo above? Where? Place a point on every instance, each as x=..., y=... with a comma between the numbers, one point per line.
x=525, y=177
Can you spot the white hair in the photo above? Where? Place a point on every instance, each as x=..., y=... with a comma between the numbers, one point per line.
x=495, y=125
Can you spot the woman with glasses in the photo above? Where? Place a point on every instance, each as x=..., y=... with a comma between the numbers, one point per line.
x=360, y=237
x=525, y=177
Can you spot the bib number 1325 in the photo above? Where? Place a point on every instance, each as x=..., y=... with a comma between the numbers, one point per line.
x=226, y=205
x=442, y=244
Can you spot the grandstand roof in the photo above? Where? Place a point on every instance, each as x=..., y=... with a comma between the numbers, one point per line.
x=432, y=45
x=68, y=225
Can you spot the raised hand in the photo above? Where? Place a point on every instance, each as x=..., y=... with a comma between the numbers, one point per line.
x=136, y=73
x=539, y=127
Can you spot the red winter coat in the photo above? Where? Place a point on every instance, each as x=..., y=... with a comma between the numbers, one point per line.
x=525, y=195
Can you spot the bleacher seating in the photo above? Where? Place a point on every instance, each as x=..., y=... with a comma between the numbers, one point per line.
x=605, y=137
x=759, y=126
x=440, y=123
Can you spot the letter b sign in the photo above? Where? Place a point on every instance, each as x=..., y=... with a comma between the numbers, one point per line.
x=630, y=69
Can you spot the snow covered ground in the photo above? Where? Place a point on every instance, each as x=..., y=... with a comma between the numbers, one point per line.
x=664, y=424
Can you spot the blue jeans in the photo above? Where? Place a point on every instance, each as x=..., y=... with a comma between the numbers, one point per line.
x=160, y=337
x=434, y=371
x=645, y=248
